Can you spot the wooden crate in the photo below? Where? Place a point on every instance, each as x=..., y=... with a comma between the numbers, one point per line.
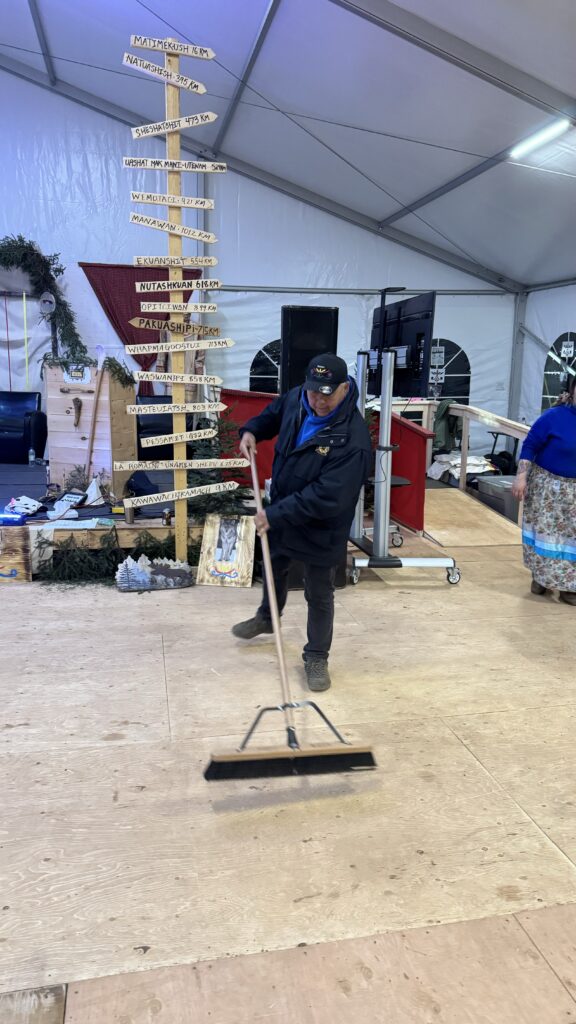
x=115, y=429
x=15, y=562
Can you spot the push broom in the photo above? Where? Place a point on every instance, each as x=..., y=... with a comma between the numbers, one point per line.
x=290, y=759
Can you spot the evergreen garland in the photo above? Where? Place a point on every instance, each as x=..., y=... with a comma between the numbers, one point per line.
x=223, y=446
x=71, y=563
x=17, y=252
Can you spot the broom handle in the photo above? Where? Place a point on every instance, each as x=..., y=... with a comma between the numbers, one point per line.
x=286, y=696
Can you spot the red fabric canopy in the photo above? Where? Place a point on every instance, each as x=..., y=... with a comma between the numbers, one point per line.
x=114, y=285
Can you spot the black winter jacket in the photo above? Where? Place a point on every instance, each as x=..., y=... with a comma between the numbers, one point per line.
x=315, y=487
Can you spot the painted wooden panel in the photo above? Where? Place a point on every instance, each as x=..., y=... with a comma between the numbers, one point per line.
x=33, y=1006
x=15, y=565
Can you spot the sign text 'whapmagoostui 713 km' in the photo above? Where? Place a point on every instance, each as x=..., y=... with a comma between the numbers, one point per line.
x=147, y=163
x=157, y=71
x=199, y=284
x=160, y=199
x=146, y=323
x=182, y=464
x=187, y=435
x=177, y=378
x=172, y=46
x=186, y=345
x=175, y=261
x=174, y=229
x=189, y=492
x=144, y=131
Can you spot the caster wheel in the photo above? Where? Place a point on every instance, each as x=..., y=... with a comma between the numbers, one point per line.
x=354, y=576
x=397, y=540
x=454, y=576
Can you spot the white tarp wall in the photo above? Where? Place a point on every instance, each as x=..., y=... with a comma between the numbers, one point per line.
x=63, y=186
x=549, y=313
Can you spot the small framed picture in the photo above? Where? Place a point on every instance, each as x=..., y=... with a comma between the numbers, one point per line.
x=227, y=554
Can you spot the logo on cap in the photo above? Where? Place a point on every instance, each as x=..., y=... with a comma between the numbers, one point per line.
x=321, y=371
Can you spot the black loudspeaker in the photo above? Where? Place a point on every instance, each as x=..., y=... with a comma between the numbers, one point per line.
x=307, y=331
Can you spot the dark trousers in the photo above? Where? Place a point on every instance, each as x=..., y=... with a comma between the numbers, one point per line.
x=319, y=594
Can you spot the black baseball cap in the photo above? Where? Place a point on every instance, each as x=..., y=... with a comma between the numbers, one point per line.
x=325, y=373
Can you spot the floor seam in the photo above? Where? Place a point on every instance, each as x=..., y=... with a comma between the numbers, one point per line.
x=543, y=955
x=166, y=689
x=512, y=798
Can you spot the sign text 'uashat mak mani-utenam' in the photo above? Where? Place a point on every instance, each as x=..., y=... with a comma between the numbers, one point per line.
x=147, y=163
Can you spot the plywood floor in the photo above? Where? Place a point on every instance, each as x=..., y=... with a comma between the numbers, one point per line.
x=116, y=857
x=455, y=519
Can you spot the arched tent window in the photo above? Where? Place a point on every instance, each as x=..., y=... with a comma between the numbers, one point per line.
x=452, y=376
x=265, y=369
x=560, y=361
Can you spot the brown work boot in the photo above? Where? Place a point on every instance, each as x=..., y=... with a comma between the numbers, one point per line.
x=537, y=588
x=250, y=628
x=568, y=596
x=317, y=674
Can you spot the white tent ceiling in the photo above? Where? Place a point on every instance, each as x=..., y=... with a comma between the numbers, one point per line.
x=397, y=117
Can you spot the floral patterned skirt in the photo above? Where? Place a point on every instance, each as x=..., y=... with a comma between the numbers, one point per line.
x=549, y=529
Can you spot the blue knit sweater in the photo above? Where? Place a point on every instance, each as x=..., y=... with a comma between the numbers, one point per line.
x=551, y=442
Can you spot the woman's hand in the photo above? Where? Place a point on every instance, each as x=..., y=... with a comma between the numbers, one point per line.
x=519, y=486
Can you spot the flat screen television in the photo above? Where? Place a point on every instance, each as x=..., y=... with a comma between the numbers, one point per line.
x=405, y=328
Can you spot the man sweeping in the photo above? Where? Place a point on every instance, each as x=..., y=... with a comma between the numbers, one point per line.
x=322, y=459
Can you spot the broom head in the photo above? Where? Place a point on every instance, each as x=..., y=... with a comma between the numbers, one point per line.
x=258, y=764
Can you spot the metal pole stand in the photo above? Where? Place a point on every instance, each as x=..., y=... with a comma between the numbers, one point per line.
x=376, y=549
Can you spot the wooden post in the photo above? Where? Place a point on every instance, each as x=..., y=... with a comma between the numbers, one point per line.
x=174, y=213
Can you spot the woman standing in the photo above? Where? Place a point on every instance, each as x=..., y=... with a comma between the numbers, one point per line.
x=546, y=481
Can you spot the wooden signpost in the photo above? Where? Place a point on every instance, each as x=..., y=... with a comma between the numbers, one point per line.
x=158, y=199
x=200, y=284
x=180, y=495
x=183, y=337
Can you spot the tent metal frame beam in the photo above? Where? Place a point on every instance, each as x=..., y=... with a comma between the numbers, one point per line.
x=545, y=285
x=448, y=186
x=469, y=58
x=48, y=64
x=454, y=50
x=243, y=80
x=262, y=177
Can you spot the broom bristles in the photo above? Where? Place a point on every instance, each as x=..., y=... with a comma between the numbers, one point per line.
x=247, y=764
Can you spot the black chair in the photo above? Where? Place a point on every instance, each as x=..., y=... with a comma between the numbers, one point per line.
x=22, y=426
